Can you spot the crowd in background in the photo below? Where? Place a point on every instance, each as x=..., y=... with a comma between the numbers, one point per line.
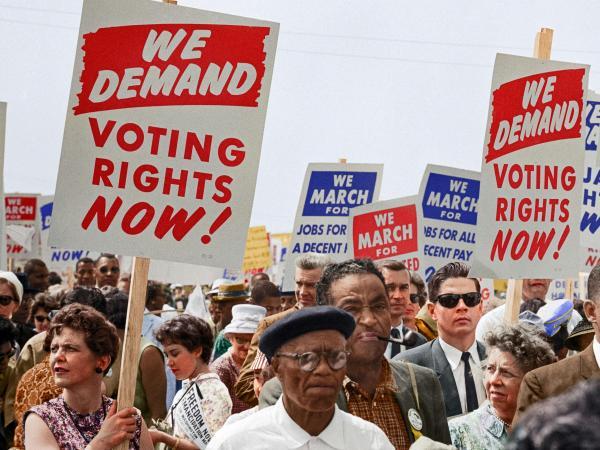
x=359, y=352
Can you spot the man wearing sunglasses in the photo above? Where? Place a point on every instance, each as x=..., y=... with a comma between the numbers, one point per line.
x=455, y=304
x=397, y=284
x=307, y=350
x=107, y=270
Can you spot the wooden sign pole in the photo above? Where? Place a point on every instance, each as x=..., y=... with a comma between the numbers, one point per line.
x=514, y=290
x=582, y=286
x=133, y=335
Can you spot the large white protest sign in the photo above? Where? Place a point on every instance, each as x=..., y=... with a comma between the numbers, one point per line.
x=329, y=193
x=163, y=132
x=388, y=229
x=3, y=260
x=448, y=200
x=532, y=170
x=190, y=417
x=22, y=226
x=57, y=259
x=590, y=212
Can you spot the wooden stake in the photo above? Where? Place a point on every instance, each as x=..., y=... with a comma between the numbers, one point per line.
x=569, y=289
x=514, y=291
x=582, y=287
x=133, y=335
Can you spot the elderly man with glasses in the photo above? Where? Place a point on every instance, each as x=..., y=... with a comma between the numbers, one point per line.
x=307, y=350
x=455, y=304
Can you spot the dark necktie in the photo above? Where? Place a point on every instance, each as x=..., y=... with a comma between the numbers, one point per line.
x=472, y=402
x=395, y=345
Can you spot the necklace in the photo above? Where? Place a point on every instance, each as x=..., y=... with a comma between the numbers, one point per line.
x=74, y=419
x=506, y=425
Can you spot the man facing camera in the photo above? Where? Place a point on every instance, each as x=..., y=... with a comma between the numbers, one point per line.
x=307, y=350
x=455, y=304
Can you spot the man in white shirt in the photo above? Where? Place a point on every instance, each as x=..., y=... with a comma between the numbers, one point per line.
x=455, y=304
x=397, y=284
x=307, y=350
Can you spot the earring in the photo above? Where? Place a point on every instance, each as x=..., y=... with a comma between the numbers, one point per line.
x=99, y=370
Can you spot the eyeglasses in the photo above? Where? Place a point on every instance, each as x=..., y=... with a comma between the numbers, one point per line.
x=112, y=270
x=451, y=300
x=336, y=359
x=8, y=354
x=42, y=318
x=414, y=298
x=6, y=300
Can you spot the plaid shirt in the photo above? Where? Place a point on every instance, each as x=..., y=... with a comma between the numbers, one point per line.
x=382, y=410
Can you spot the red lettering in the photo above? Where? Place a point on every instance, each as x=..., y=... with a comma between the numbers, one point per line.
x=236, y=156
x=157, y=133
x=147, y=215
x=138, y=137
x=98, y=211
x=100, y=137
x=540, y=243
x=222, y=185
x=102, y=169
x=170, y=180
x=147, y=184
x=500, y=245
x=192, y=142
x=180, y=223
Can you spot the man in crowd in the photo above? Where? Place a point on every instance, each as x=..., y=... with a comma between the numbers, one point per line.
x=402, y=399
x=35, y=280
x=455, y=304
x=556, y=378
x=307, y=351
x=257, y=277
x=8, y=335
x=228, y=296
x=534, y=294
x=309, y=268
x=85, y=273
x=267, y=295
x=107, y=270
x=397, y=284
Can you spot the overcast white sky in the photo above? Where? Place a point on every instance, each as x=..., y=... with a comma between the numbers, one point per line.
x=398, y=83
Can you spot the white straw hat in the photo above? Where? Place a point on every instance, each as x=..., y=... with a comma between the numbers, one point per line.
x=245, y=319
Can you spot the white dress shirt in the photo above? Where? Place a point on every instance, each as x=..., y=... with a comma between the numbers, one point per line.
x=273, y=428
x=453, y=355
x=596, y=348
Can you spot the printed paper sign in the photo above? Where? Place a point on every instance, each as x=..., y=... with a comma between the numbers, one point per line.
x=532, y=170
x=163, y=135
x=590, y=217
x=23, y=227
x=448, y=200
x=329, y=193
x=389, y=229
x=3, y=259
x=257, y=256
x=57, y=260
x=190, y=417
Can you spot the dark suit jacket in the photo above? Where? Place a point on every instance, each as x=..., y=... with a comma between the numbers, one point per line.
x=554, y=379
x=431, y=400
x=432, y=356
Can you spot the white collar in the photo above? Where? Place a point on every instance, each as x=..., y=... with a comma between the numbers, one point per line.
x=453, y=355
x=596, y=348
x=332, y=435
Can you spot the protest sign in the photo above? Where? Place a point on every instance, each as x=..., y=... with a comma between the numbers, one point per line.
x=163, y=135
x=389, y=229
x=590, y=212
x=558, y=289
x=329, y=193
x=448, y=200
x=22, y=226
x=57, y=259
x=531, y=176
x=3, y=260
x=257, y=256
x=190, y=417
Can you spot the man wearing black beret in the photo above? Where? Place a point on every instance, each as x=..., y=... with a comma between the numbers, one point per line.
x=307, y=351
x=402, y=399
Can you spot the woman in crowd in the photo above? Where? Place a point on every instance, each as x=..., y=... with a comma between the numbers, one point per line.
x=39, y=312
x=187, y=341
x=83, y=345
x=418, y=297
x=239, y=332
x=512, y=352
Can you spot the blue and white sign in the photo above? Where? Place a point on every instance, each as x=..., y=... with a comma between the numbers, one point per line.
x=448, y=201
x=590, y=211
x=328, y=194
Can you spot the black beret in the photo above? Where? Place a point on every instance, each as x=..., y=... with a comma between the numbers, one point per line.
x=304, y=321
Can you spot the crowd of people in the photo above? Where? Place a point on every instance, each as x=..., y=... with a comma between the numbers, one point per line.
x=361, y=355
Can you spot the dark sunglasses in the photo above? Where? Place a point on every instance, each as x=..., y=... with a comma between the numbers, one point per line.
x=106, y=270
x=414, y=298
x=8, y=354
x=451, y=300
x=42, y=318
x=6, y=300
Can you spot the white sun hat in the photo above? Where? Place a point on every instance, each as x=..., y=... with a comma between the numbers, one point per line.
x=245, y=319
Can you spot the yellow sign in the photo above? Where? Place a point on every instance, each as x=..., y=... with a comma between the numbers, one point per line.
x=258, y=251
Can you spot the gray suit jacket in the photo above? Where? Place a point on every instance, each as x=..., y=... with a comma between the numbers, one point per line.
x=432, y=356
x=431, y=400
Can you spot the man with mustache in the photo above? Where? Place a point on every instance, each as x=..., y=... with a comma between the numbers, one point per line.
x=455, y=304
x=533, y=297
x=402, y=399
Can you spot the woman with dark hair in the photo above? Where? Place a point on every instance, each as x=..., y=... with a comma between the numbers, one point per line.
x=39, y=312
x=187, y=341
x=83, y=346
